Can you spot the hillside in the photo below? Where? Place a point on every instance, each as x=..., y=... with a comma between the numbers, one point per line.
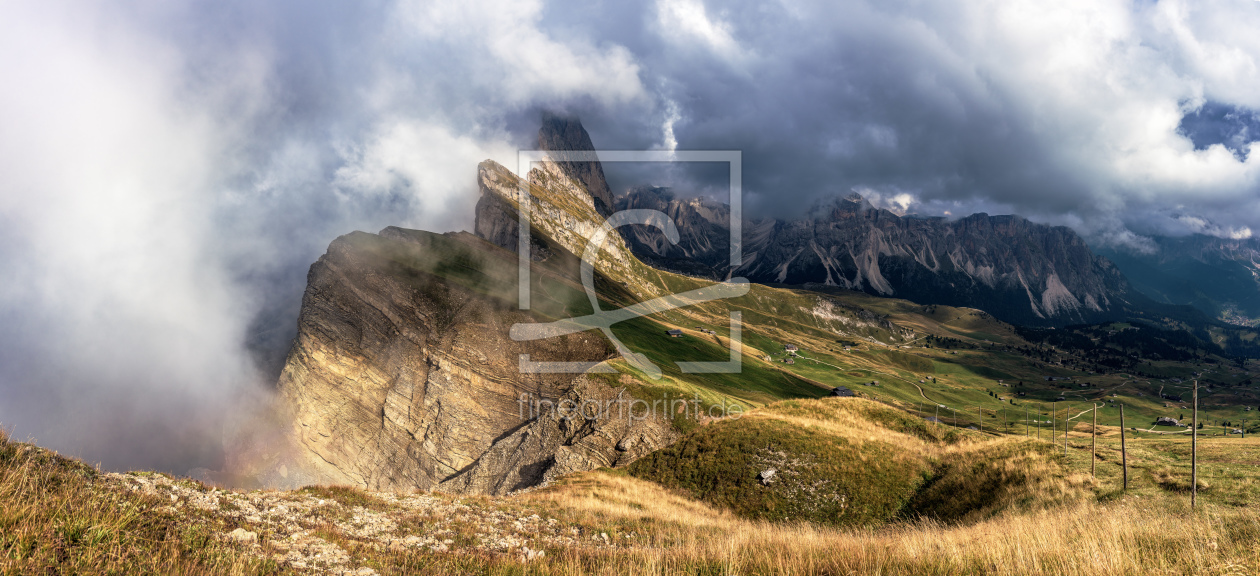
x=60, y=516
x=854, y=462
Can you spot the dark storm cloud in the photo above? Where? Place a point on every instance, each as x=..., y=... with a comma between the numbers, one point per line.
x=168, y=173
x=1066, y=113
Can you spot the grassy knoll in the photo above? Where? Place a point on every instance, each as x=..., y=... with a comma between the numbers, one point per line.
x=854, y=462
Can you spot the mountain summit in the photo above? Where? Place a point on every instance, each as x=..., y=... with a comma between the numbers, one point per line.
x=566, y=134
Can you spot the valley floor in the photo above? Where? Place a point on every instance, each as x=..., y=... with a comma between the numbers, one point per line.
x=60, y=516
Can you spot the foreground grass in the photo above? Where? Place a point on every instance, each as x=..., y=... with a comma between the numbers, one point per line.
x=57, y=518
x=1122, y=537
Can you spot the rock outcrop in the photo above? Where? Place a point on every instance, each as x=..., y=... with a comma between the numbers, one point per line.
x=403, y=376
x=564, y=215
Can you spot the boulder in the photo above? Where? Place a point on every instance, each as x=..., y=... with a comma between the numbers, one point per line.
x=243, y=536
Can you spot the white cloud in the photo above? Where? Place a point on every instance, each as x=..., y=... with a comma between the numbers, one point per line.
x=689, y=19
x=1199, y=225
x=106, y=189
x=672, y=116
x=408, y=157
x=165, y=177
x=896, y=201
x=499, y=43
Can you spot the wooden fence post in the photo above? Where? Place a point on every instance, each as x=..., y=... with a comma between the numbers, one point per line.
x=1066, y=417
x=1194, y=450
x=1093, y=446
x=1124, y=452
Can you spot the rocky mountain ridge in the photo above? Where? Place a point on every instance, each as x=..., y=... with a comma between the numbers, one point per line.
x=1020, y=271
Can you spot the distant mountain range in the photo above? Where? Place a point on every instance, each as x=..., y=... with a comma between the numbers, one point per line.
x=1219, y=276
x=1022, y=272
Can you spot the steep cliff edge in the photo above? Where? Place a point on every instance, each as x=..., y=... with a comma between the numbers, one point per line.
x=402, y=375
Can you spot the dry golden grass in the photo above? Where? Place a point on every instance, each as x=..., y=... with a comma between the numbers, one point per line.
x=1031, y=511
x=1122, y=537
x=57, y=517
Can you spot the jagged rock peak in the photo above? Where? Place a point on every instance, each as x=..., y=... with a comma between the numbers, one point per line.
x=832, y=207
x=561, y=132
x=662, y=193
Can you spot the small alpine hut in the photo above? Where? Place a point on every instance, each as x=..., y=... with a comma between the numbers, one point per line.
x=675, y=333
x=842, y=391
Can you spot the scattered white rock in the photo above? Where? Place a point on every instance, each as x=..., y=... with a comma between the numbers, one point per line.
x=294, y=521
x=243, y=536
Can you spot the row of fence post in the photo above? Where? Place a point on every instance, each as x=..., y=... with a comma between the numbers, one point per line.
x=1093, y=432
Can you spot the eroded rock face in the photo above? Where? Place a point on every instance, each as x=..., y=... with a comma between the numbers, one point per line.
x=403, y=376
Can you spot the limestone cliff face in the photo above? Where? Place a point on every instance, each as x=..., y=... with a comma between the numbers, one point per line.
x=403, y=376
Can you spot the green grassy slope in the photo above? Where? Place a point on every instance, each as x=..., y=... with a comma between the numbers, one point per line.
x=960, y=365
x=849, y=461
